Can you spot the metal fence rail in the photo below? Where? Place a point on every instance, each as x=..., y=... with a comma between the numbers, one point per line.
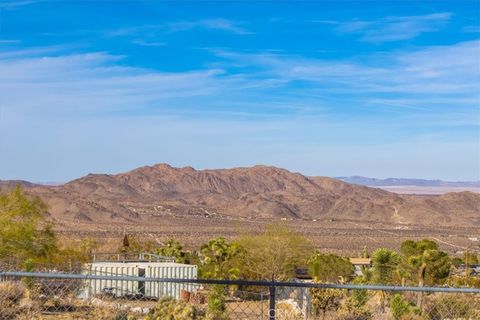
x=37, y=295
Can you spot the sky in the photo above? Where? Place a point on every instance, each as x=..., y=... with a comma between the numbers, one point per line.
x=334, y=88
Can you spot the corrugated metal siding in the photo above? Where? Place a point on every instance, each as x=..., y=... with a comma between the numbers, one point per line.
x=120, y=288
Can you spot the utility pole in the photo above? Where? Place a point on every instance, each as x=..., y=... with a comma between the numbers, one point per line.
x=466, y=262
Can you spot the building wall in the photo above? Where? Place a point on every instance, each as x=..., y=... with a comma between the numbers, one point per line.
x=119, y=288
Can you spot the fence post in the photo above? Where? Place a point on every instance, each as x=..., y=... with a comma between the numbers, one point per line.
x=271, y=310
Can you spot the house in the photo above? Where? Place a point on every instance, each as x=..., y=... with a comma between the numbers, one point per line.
x=359, y=264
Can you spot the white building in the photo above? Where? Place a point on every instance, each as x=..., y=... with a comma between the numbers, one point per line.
x=142, y=269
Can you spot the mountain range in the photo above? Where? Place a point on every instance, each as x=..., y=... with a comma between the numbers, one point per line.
x=373, y=182
x=260, y=192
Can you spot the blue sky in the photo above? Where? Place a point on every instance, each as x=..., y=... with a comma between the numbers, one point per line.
x=331, y=88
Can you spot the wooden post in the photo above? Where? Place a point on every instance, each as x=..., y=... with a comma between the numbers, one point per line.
x=466, y=263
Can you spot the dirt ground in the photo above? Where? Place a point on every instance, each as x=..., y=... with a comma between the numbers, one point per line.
x=336, y=236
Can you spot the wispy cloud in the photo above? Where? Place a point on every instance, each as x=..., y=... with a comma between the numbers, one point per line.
x=16, y=3
x=145, y=43
x=155, y=30
x=8, y=41
x=90, y=108
x=210, y=24
x=440, y=71
x=432, y=79
x=393, y=28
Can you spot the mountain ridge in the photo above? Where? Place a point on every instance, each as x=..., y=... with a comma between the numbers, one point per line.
x=147, y=193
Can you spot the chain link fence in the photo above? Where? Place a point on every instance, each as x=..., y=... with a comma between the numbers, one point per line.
x=55, y=295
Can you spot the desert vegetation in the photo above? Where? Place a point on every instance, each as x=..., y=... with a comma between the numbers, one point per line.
x=27, y=238
x=28, y=242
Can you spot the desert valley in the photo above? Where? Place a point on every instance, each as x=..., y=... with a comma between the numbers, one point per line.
x=160, y=202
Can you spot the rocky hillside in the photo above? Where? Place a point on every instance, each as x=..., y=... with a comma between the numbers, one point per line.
x=258, y=192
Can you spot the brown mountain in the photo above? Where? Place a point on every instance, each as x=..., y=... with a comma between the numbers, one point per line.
x=258, y=192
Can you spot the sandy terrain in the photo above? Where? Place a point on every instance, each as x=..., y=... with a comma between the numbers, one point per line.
x=427, y=190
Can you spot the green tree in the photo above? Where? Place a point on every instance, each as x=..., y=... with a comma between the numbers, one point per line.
x=219, y=259
x=384, y=266
x=24, y=232
x=410, y=248
x=423, y=263
x=437, y=267
x=173, y=248
x=275, y=253
x=330, y=268
x=384, y=263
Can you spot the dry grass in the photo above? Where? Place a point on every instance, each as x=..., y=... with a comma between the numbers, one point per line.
x=11, y=293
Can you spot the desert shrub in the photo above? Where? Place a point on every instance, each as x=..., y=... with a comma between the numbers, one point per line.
x=470, y=258
x=91, y=313
x=120, y=315
x=10, y=295
x=108, y=314
x=171, y=309
x=219, y=259
x=350, y=309
x=24, y=232
x=27, y=239
x=360, y=296
x=452, y=307
x=173, y=248
x=11, y=292
x=456, y=261
x=462, y=281
x=413, y=316
x=216, y=306
x=324, y=300
x=273, y=254
x=399, y=306
x=330, y=268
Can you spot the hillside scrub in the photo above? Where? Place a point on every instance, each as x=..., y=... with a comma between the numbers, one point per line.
x=330, y=268
x=275, y=253
x=27, y=239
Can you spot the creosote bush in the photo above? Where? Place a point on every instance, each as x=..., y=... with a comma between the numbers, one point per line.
x=171, y=309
